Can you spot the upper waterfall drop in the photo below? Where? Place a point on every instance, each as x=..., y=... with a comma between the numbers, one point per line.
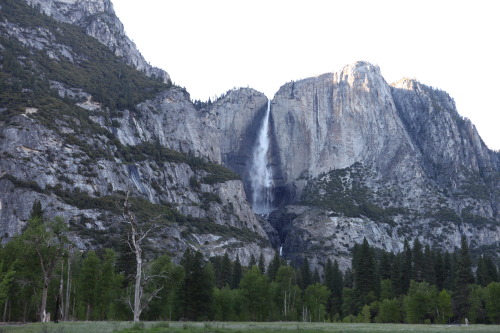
x=261, y=175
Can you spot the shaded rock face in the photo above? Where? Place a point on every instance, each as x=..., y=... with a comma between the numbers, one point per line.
x=79, y=164
x=99, y=20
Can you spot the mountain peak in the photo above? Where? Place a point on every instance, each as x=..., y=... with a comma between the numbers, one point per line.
x=99, y=20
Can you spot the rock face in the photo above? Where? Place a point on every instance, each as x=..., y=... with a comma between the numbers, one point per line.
x=378, y=161
x=351, y=156
x=80, y=162
x=99, y=20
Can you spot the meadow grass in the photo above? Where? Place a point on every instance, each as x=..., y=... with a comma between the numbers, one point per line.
x=234, y=327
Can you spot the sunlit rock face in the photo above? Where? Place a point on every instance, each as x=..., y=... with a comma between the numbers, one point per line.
x=404, y=146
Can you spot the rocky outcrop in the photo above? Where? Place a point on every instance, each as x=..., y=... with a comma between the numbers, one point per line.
x=381, y=162
x=99, y=20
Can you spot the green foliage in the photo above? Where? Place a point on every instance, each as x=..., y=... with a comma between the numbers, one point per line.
x=493, y=302
x=225, y=303
x=343, y=191
x=254, y=288
x=420, y=302
x=6, y=278
x=315, y=297
x=390, y=311
x=195, y=292
x=443, y=306
x=166, y=276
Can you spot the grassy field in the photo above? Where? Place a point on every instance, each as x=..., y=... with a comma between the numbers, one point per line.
x=214, y=327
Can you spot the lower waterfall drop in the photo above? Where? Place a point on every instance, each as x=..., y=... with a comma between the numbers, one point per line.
x=261, y=175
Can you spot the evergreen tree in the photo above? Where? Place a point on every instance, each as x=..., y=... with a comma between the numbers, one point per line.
x=225, y=271
x=237, y=273
x=429, y=271
x=464, y=278
x=274, y=266
x=439, y=271
x=386, y=265
x=447, y=282
x=406, y=269
x=316, y=278
x=482, y=276
x=364, y=274
x=262, y=264
x=252, y=261
x=491, y=269
x=305, y=273
x=36, y=210
x=348, y=278
x=417, y=261
x=396, y=275
x=336, y=289
x=196, y=290
x=217, y=265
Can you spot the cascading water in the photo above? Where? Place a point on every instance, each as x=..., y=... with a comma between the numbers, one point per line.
x=261, y=176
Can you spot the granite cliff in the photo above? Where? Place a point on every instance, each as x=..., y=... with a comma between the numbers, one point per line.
x=84, y=119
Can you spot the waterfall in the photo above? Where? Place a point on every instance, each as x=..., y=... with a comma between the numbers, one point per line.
x=261, y=176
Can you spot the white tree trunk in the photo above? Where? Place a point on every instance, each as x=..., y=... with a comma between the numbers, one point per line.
x=138, y=276
x=43, y=303
x=68, y=291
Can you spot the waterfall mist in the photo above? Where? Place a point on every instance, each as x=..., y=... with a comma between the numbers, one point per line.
x=261, y=176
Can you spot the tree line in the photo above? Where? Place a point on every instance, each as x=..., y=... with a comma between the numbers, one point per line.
x=42, y=272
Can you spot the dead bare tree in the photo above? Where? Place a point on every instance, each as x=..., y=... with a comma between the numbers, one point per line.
x=137, y=234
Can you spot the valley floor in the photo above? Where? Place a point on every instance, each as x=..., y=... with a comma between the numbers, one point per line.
x=233, y=327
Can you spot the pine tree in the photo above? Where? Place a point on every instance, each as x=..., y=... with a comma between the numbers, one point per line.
x=316, y=278
x=262, y=264
x=305, y=273
x=252, y=261
x=274, y=266
x=464, y=278
x=439, y=270
x=364, y=274
x=225, y=271
x=482, y=277
x=406, y=271
x=237, y=273
x=448, y=281
x=429, y=271
x=386, y=265
x=336, y=290
x=36, y=210
x=396, y=275
x=417, y=261
x=196, y=289
x=491, y=269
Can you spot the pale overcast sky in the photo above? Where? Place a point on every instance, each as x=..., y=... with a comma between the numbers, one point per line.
x=212, y=46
